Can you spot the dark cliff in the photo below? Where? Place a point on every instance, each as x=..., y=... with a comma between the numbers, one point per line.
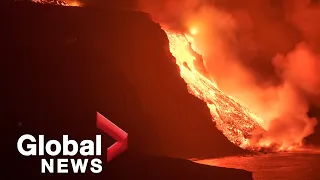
x=62, y=64
x=63, y=58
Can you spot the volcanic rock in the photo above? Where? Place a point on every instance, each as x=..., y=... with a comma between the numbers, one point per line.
x=62, y=64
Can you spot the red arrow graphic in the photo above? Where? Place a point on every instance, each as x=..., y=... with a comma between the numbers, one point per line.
x=116, y=133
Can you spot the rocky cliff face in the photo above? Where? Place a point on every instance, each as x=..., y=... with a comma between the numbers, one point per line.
x=62, y=64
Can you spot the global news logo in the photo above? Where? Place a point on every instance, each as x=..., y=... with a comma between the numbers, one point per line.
x=71, y=148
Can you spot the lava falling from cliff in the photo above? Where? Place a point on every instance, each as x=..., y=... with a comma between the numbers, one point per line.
x=212, y=48
x=236, y=122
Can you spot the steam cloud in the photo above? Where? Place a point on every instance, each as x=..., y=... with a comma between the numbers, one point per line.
x=263, y=53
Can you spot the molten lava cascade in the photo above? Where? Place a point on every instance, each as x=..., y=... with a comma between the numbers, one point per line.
x=235, y=121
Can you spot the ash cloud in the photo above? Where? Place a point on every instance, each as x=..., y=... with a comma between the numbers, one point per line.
x=263, y=53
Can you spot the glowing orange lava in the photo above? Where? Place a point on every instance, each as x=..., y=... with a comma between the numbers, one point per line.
x=235, y=121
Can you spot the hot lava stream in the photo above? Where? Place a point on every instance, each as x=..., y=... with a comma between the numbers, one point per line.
x=235, y=121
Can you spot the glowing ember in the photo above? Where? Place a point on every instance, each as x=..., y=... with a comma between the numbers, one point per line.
x=58, y=2
x=236, y=122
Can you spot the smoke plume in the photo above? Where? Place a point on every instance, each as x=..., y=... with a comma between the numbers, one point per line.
x=263, y=53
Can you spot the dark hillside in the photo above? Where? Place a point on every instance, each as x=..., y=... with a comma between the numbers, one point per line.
x=60, y=65
x=77, y=60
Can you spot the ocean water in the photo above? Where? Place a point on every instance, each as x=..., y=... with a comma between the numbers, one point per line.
x=274, y=166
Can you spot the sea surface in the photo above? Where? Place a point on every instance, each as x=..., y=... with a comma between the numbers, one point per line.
x=274, y=166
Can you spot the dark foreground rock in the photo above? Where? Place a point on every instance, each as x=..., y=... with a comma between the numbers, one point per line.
x=169, y=168
x=62, y=64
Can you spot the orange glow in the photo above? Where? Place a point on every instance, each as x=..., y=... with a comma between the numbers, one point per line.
x=240, y=125
x=193, y=31
x=75, y=3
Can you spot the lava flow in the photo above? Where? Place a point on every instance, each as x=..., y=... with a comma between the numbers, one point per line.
x=235, y=121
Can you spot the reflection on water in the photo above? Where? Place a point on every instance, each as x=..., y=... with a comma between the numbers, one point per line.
x=275, y=166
